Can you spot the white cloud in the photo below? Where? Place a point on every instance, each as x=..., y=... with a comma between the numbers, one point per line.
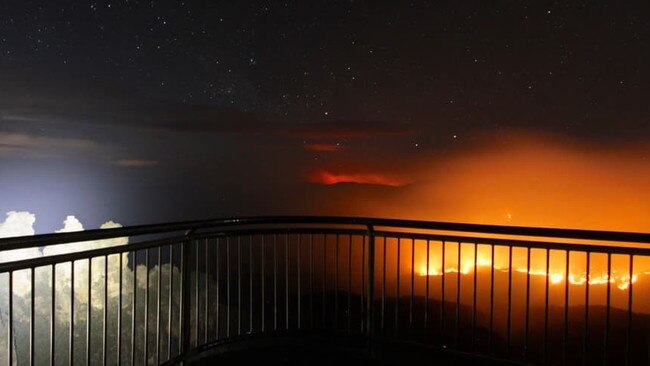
x=72, y=224
x=22, y=224
x=18, y=224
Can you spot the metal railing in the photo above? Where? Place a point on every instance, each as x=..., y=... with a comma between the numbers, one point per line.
x=176, y=291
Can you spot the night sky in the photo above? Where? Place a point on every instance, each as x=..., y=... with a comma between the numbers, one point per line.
x=147, y=111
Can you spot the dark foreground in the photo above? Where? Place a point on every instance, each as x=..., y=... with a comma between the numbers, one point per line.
x=326, y=350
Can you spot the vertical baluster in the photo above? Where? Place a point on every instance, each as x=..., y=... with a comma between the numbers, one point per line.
x=336, y=283
x=585, y=343
x=426, y=291
x=32, y=318
x=475, y=274
x=397, y=290
x=262, y=278
x=10, y=330
x=228, y=302
x=119, y=311
x=218, y=289
x=509, y=315
x=458, y=277
x=197, y=313
x=491, y=334
x=527, y=319
x=88, y=309
x=546, y=300
x=628, y=337
x=442, y=292
x=133, y=305
x=565, y=336
x=363, y=282
x=324, y=307
x=299, y=281
x=311, y=280
x=158, y=305
x=286, y=279
x=371, y=288
x=170, y=301
x=607, y=307
x=53, y=317
x=349, y=283
x=105, y=313
x=250, y=284
x=146, y=307
x=239, y=285
x=71, y=335
x=275, y=282
x=184, y=295
x=412, y=284
x=383, y=287
x=206, y=279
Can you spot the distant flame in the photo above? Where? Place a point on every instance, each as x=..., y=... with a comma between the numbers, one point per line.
x=622, y=281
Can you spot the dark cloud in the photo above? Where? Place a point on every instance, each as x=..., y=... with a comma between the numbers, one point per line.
x=31, y=146
x=345, y=129
x=135, y=163
x=323, y=147
x=59, y=99
x=40, y=98
x=29, y=95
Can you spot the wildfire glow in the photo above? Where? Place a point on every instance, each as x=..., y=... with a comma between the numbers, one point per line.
x=621, y=281
x=523, y=179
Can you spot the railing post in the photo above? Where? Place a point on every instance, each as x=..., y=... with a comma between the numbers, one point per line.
x=371, y=286
x=185, y=308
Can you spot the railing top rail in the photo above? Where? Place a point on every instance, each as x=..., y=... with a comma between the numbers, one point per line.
x=191, y=226
x=77, y=255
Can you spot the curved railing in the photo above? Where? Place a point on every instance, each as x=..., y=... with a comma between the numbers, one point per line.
x=177, y=292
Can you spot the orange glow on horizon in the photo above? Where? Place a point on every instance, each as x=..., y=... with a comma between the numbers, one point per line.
x=520, y=179
x=517, y=179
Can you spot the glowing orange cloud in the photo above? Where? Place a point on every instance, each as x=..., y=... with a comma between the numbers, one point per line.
x=322, y=147
x=328, y=178
x=527, y=180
